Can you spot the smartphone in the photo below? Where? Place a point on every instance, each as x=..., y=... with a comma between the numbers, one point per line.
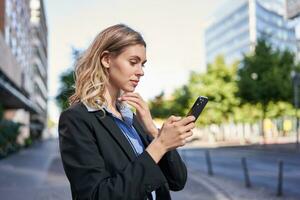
x=198, y=106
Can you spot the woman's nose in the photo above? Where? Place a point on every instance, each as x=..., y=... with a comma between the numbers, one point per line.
x=140, y=71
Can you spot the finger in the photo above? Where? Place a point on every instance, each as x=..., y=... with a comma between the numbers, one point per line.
x=133, y=99
x=127, y=94
x=178, y=118
x=173, y=118
x=137, y=106
x=186, y=120
x=187, y=135
x=183, y=142
x=189, y=127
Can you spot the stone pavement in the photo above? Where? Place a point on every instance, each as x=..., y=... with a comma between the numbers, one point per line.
x=37, y=174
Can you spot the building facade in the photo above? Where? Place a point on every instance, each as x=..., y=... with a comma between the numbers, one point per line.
x=292, y=8
x=235, y=31
x=23, y=64
x=292, y=12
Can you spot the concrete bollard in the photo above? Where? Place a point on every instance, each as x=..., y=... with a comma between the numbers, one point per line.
x=280, y=178
x=246, y=173
x=208, y=162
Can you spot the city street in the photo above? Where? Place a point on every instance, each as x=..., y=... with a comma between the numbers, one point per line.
x=262, y=165
x=62, y=62
x=36, y=173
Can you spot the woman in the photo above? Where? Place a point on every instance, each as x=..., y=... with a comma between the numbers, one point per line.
x=108, y=152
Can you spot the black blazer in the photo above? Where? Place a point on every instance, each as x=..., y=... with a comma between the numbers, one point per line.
x=100, y=163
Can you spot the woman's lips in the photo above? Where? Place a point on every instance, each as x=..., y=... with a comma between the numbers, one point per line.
x=135, y=83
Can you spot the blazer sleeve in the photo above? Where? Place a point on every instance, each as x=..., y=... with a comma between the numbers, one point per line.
x=173, y=168
x=85, y=167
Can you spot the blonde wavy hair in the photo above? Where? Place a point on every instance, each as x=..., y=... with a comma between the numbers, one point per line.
x=90, y=76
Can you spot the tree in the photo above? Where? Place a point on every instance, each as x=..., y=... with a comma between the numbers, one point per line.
x=180, y=103
x=67, y=82
x=159, y=106
x=219, y=85
x=66, y=90
x=265, y=76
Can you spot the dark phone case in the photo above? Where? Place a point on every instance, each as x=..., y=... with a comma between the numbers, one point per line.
x=198, y=107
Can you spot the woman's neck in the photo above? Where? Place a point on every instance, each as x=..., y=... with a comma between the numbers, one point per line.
x=111, y=95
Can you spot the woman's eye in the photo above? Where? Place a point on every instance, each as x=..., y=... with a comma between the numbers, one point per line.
x=135, y=63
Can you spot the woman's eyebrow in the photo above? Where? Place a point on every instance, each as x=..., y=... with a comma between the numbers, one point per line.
x=137, y=57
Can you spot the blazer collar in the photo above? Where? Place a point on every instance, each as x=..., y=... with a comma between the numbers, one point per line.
x=125, y=111
x=108, y=122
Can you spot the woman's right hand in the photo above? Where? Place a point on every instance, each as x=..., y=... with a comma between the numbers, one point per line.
x=175, y=131
x=173, y=134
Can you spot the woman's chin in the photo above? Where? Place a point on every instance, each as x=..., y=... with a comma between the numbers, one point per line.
x=129, y=89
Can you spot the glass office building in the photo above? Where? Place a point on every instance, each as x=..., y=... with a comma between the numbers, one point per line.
x=238, y=25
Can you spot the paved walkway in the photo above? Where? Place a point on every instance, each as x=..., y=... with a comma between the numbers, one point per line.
x=34, y=174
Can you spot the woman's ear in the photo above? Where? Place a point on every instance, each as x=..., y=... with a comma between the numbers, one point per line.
x=105, y=59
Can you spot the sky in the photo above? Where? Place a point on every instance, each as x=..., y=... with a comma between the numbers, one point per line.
x=173, y=31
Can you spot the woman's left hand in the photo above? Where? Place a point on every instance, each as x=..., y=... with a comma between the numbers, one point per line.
x=142, y=111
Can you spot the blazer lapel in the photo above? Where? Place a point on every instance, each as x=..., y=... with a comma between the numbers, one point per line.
x=117, y=133
x=140, y=131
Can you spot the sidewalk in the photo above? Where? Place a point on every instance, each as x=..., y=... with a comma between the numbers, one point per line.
x=34, y=174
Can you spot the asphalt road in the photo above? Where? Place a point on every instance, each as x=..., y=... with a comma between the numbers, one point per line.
x=262, y=165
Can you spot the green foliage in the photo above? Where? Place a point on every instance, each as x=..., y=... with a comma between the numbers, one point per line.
x=159, y=107
x=280, y=108
x=247, y=113
x=66, y=90
x=219, y=85
x=265, y=79
x=180, y=104
x=261, y=87
x=28, y=142
x=265, y=76
x=9, y=131
x=67, y=84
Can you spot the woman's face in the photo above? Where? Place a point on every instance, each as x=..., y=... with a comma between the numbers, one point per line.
x=126, y=69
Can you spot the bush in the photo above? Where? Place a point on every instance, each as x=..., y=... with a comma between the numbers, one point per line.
x=28, y=142
x=9, y=131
